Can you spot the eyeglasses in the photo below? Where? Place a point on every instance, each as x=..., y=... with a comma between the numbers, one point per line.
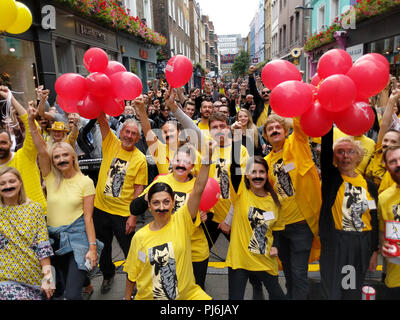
x=349, y=152
x=266, y=92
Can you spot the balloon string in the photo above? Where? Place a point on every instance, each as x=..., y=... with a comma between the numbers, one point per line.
x=6, y=114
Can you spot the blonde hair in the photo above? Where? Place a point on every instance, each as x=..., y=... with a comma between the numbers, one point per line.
x=356, y=144
x=275, y=118
x=250, y=125
x=56, y=172
x=22, y=194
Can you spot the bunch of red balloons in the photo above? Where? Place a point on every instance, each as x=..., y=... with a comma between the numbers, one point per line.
x=104, y=89
x=339, y=92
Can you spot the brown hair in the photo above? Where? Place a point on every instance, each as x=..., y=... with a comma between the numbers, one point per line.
x=267, y=186
x=217, y=116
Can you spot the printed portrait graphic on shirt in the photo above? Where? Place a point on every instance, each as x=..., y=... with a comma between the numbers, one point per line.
x=116, y=177
x=284, y=185
x=165, y=281
x=258, y=241
x=222, y=177
x=396, y=212
x=355, y=204
x=180, y=198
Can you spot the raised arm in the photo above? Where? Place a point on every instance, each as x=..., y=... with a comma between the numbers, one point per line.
x=387, y=116
x=236, y=170
x=183, y=119
x=40, y=144
x=5, y=93
x=201, y=181
x=104, y=126
x=141, y=112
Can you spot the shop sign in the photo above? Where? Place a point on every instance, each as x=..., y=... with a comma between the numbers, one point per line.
x=144, y=54
x=90, y=32
x=356, y=51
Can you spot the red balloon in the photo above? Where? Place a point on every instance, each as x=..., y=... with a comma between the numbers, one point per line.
x=316, y=122
x=95, y=60
x=335, y=61
x=278, y=71
x=68, y=105
x=370, y=77
x=126, y=85
x=90, y=108
x=336, y=93
x=291, y=98
x=375, y=57
x=112, y=106
x=315, y=80
x=114, y=67
x=98, y=84
x=356, y=120
x=178, y=71
x=71, y=86
x=210, y=196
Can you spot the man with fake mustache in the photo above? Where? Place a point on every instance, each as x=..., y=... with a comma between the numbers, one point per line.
x=294, y=177
x=389, y=210
x=122, y=177
x=24, y=159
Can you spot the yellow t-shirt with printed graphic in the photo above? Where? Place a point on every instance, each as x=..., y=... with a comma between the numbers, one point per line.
x=251, y=239
x=160, y=262
x=351, y=207
x=120, y=171
x=389, y=209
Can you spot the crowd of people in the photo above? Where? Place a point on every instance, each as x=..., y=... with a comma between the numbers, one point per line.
x=286, y=199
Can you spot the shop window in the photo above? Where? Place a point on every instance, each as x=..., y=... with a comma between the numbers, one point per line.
x=18, y=67
x=133, y=66
x=79, y=53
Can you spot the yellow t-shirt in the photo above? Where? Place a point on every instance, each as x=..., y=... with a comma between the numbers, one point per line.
x=160, y=261
x=200, y=251
x=386, y=182
x=220, y=171
x=163, y=155
x=251, y=239
x=376, y=168
x=284, y=186
x=24, y=160
x=65, y=204
x=351, y=207
x=120, y=171
x=389, y=209
x=263, y=116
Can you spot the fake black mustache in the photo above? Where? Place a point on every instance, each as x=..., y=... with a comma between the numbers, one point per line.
x=257, y=179
x=275, y=133
x=8, y=189
x=180, y=168
x=162, y=211
x=397, y=170
x=62, y=163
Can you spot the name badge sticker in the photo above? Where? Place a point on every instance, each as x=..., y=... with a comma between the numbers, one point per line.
x=268, y=215
x=142, y=256
x=371, y=204
x=288, y=167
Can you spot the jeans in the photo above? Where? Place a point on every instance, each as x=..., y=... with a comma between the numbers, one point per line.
x=200, y=272
x=295, y=243
x=238, y=280
x=107, y=226
x=72, y=279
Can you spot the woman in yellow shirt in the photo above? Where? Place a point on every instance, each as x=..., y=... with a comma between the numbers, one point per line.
x=253, y=243
x=159, y=262
x=70, y=200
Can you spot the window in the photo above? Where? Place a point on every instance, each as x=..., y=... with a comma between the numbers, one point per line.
x=291, y=31
x=321, y=18
x=334, y=9
x=17, y=59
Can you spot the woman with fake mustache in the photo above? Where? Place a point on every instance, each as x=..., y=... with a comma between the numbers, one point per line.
x=70, y=202
x=182, y=181
x=30, y=252
x=253, y=245
x=159, y=260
